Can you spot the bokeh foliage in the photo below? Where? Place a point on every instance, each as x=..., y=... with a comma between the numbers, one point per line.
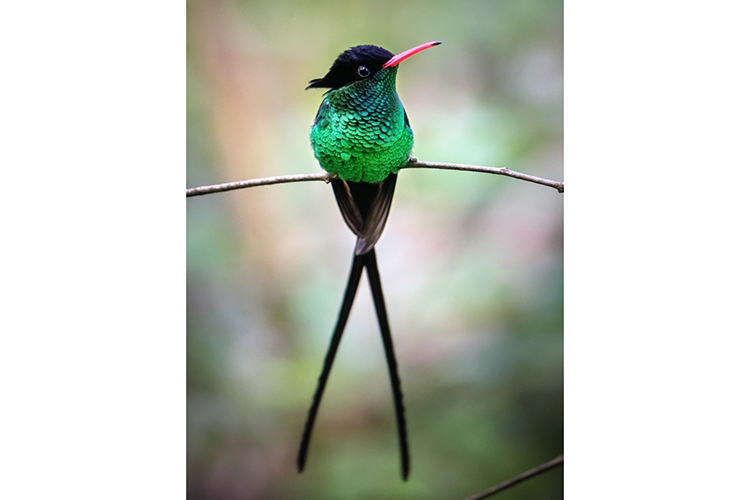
x=471, y=263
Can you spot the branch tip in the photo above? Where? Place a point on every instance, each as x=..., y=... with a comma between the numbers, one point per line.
x=517, y=479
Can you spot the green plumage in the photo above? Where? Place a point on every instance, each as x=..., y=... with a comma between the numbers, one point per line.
x=361, y=132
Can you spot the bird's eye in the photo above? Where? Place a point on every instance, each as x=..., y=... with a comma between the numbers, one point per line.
x=363, y=71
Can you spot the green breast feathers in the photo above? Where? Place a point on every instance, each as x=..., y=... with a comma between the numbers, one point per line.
x=360, y=131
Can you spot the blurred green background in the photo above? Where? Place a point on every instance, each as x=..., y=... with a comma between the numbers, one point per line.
x=471, y=263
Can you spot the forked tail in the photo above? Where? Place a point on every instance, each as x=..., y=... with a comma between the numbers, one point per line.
x=358, y=263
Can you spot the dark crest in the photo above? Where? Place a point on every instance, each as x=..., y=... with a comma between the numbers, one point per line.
x=353, y=65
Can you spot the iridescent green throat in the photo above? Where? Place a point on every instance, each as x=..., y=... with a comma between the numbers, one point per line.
x=360, y=132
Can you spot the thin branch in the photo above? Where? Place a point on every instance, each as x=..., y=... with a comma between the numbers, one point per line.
x=230, y=186
x=326, y=177
x=521, y=477
x=413, y=163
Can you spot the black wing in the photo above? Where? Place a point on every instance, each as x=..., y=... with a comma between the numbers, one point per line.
x=365, y=207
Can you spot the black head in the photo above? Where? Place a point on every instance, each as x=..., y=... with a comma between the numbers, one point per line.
x=358, y=63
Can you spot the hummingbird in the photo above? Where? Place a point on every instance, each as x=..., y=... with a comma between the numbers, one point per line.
x=362, y=134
